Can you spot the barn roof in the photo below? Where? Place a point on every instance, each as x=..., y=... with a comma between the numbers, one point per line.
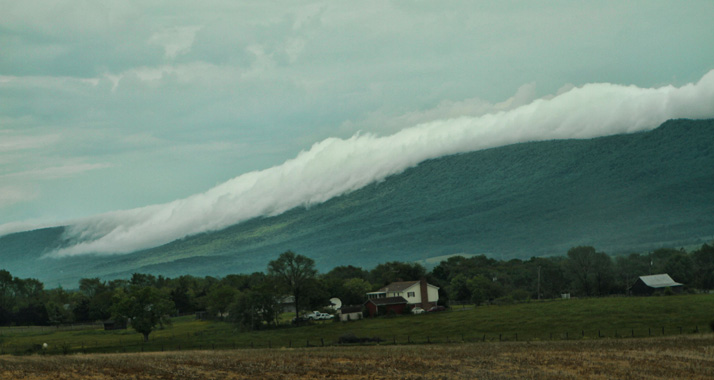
x=659, y=281
x=388, y=301
x=351, y=309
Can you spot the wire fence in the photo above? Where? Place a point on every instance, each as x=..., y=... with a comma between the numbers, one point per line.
x=191, y=342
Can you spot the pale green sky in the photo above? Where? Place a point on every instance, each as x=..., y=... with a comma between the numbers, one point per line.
x=109, y=105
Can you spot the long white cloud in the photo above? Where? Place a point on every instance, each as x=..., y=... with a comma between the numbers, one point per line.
x=337, y=166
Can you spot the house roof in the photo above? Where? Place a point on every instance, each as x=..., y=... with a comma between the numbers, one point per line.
x=659, y=281
x=398, y=286
x=387, y=301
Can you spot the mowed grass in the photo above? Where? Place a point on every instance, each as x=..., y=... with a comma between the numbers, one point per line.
x=623, y=317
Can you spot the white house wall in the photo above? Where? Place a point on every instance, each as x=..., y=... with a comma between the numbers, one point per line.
x=433, y=293
x=416, y=289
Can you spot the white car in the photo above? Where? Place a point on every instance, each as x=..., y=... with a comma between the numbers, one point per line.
x=313, y=316
x=418, y=310
x=316, y=316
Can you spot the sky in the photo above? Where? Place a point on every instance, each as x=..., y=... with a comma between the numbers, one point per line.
x=130, y=119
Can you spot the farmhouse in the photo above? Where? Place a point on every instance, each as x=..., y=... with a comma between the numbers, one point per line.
x=415, y=293
x=646, y=285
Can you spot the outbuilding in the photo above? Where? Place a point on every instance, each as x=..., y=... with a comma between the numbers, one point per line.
x=111, y=324
x=646, y=285
x=350, y=313
x=386, y=305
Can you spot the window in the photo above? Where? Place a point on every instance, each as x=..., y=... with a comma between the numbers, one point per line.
x=411, y=294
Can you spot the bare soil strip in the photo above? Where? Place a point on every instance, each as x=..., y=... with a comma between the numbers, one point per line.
x=690, y=357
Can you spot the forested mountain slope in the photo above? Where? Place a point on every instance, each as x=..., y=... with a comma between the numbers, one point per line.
x=619, y=193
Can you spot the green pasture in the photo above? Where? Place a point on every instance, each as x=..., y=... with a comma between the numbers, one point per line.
x=594, y=318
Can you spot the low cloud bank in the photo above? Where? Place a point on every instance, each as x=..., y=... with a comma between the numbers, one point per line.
x=337, y=166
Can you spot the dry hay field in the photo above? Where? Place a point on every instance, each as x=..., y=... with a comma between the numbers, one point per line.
x=682, y=357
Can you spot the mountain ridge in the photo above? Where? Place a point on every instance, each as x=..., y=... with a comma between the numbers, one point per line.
x=620, y=193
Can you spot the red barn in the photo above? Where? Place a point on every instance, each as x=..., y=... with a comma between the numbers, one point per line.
x=385, y=305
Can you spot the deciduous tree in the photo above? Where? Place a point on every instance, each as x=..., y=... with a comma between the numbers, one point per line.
x=294, y=273
x=146, y=308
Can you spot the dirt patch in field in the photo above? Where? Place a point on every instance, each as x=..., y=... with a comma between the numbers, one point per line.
x=689, y=357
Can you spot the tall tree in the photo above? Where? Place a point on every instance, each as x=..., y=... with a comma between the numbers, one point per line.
x=146, y=307
x=219, y=298
x=703, y=259
x=293, y=272
x=355, y=291
x=581, y=261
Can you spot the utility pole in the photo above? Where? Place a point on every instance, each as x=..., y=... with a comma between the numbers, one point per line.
x=538, y=282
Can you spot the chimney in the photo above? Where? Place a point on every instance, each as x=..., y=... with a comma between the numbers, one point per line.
x=424, y=294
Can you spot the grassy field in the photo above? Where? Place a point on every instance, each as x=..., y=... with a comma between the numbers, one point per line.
x=575, y=319
x=681, y=357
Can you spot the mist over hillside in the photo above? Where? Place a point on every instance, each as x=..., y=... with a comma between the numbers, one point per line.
x=622, y=193
x=337, y=166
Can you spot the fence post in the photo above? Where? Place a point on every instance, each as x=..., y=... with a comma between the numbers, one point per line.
x=322, y=342
x=269, y=344
x=633, y=333
x=662, y=330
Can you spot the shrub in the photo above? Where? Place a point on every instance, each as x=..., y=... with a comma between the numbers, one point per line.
x=508, y=300
x=351, y=338
x=520, y=295
x=348, y=338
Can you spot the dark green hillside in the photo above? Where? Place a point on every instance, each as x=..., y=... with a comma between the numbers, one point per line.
x=618, y=193
x=20, y=251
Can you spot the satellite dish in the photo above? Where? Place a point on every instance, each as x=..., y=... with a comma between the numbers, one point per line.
x=336, y=303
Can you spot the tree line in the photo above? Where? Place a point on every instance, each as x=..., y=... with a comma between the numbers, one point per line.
x=256, y=300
